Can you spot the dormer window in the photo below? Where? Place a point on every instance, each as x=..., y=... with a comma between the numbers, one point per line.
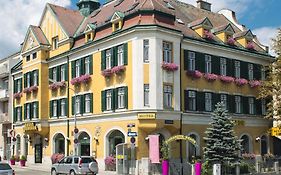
x=202, y=27
x=245, y=39
x=89, y=32
x=225, y=33
x=117, y=21
x=55, y=43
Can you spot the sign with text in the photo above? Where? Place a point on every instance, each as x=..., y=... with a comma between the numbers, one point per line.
x=276, y=131
x=132, y=134
x=31, y=126
x=146, y=116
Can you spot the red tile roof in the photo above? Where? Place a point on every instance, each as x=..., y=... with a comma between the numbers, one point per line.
x=39, y=35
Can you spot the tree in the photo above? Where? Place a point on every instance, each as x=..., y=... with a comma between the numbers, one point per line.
x=222, y=146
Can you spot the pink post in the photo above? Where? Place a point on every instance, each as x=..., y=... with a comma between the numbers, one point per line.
x=197, y=168
x=165, y=167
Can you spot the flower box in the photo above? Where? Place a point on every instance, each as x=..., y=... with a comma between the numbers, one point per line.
x=34, y=88
x=254, y=83
x=110, y=163
x=118, y=69
x=210, y=77
x=231, y=41
x=17, y=95
x=170, y=66
x=56, y=85
x=241, y=81
x=250, y=46
x=208, y=35
x=107, y=73
x=194, y=74
x=26, y=90
x=226, y=79
x=248, y=156
x=82, y=79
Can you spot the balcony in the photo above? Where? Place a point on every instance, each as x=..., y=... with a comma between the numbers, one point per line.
x=4, y=95
x=4, y=118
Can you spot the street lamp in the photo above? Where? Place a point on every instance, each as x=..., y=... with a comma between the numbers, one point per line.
x=75, y=119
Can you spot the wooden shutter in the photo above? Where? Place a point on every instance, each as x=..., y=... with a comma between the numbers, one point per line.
x=15, y=86
x=245, y=101
x=73, y=72
x=58, y=69
x=51, y=108
x=185, y=59
x=66, y=72
x=15, y=115
x=126, y=96
x=37, y=72
x=244, y=70
x=113, y=56
x=114, y=100
x=91, y=64
x=103, y=100
x=66, y=106
x=73, y=105
x=200, y=101
x=200, y=61
x=82, y=104
x=231, y=103
x=31, y=78
x=216, y=65
x=125, y=53
x=230, y=67
x=20, y=84
x=103, y=55
x=24, y=111
x=58, y=108
x=25, y=80
x=91, y=103
x=185, y=100
x=82, y=66
x=215, y=100
x=257, y=72
x=37, y=109
x=258, y=105
x=30, y=110
x=51, y=74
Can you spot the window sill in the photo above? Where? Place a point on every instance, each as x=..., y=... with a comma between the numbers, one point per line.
x=120, y=110
x=169, y=108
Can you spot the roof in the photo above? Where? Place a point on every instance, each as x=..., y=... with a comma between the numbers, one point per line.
x=39, y=35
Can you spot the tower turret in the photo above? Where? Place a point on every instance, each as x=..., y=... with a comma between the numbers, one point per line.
x=86, y=7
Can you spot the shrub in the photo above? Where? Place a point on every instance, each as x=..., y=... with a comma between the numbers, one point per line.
x=23, y=157
x=110, y=162
x=56, y=157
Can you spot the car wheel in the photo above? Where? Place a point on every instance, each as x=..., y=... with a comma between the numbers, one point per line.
x=72, y=172
x=54, y=172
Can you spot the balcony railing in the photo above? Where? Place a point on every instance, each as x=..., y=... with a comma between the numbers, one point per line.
x=4, y=118
x=4, y=94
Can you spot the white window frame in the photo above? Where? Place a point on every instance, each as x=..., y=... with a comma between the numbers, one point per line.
x=62, y=73
x=238, y=104
x=263, y=75
x=121, y=98
x=108, y=100
x=251, y=105
x=62, y=107
x=18, y=113
x=208, y=102
x=18, y=85
x=191, y=59
x=77, y=105
x=146, y=94
x=35, y=53
x=54, y=74
x=35, y=76
x=263, y=107
x=167, y=52
x=223, y=99
x=208, y=64
x=87, y=65
x=55, y=43
x=192, y=100
x=77, y=68
x=87, y=103
x=251, y=71
x=108, y=58
x=168, y=96
x=223, y=66
x=146, y=50
x=237, y=69
x=28, y=78
x=120, y=55
x=35, y=110
x=55, y=108
x=28, y=111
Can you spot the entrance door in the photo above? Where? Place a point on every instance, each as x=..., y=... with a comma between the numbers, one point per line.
x=38, y=153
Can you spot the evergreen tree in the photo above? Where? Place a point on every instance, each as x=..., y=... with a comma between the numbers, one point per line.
x=222, y=146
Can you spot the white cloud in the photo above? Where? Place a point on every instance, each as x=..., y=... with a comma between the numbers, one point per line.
x=16, y=16
x=265, y=36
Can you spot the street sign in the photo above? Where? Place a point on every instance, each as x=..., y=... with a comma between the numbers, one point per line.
x=75, y=141
x=76, y=130
x=133, y=140
x=131, y=125
x=132, y=134
x=275, y=131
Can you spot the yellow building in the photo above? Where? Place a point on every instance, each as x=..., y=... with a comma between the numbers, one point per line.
x=159, y=65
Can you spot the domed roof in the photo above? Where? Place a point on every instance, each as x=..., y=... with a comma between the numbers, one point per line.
x=88, y=1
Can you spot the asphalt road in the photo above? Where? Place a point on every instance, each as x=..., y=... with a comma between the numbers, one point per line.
x=20, y=171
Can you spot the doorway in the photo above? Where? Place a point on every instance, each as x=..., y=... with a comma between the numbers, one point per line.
x=38, y=153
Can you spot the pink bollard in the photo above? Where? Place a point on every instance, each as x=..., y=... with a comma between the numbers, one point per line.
x=165, y=167
x=197, y=168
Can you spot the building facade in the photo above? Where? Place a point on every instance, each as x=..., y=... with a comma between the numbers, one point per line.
x=159, y=66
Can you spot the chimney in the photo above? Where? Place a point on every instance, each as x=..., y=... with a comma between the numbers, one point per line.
x=204, y=5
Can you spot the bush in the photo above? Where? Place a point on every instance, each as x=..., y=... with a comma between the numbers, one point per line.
x=23, y=157
x=110, y=163
x=12, y=157
x=56, y=157
x=17, y=158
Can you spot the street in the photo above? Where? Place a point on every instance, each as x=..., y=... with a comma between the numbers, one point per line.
x=26, y=171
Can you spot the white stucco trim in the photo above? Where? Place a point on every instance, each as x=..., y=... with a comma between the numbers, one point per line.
x=197, y=142
x=250, y=141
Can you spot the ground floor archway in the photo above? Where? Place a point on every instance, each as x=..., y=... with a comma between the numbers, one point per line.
x=84, y=146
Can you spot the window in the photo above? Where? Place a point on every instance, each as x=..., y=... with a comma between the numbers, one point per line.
x=55, y=108
x=168, y=95
x=108, y=100
x=224, y=100
x=34, y=55
x=63, y=107
x=35, y=78
x=89, y=37
x=62, y=73
x=251, y=105
x=208, y=64
x=263, y=75
x=263, y=107
x=54, y=74
x=87, y=103
x=146, y=50
x=192, y=100
x=251, y=71
x=121, y=98
x=27, y=58
x=77, y=105
x=120, y=55
x=116, y=26
x=35, y=108
x=108, y=59
x=87, y=65
x=223, y=66
x=77, y=68
x=146, y=95
x=28, y=111
x=245, y=144
x=167, y=52
x=237, y=69
x=208, y=102
x=18, y=113
x=18, y=86
x=28, y=79
x=55, y=43
x=238, y=104
x=191, y=60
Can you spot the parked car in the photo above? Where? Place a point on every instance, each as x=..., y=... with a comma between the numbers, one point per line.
x=5, y=169
x=75, y=165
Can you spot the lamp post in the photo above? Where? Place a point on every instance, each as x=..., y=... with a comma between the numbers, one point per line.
x=75, y=125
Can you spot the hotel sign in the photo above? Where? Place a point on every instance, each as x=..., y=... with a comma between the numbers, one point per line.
x=146, y=116
x=30, y=127
x=276, y=131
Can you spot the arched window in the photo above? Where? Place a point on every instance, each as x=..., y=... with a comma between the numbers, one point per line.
x=84, y=146
x=114, y=138
x=245, y=144
x=59, y=144
x=192, y=150
x=264, y=145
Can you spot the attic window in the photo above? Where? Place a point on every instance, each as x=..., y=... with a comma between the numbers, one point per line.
x=169, y=5
x=179, y=21
x=55, y=43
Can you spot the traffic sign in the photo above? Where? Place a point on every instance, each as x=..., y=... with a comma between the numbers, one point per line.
x=76, y=130
x=133, y=139
x=132, y=134
x=75, y=141
x=131, y=125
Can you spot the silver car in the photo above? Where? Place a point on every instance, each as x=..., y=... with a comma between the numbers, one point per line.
x=5, y=169
x=76, y=165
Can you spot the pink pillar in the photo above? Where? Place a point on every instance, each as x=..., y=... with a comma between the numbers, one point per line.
x=198, y=168
x=165, y=167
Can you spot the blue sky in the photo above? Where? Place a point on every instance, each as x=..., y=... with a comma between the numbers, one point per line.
x=261, y=16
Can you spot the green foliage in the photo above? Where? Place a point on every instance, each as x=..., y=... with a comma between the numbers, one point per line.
x=23, y=157
x=12, y=157
x=165, y=151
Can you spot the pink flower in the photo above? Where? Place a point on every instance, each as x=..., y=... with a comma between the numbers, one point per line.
x=33, y=88
x=241, y=81
x=254, y=83
x=208, y=35
x=231, y=41
x=107, y=72
x=210, y=77
x=85, y=78
x=62, y=84
x=249, y=156
x=17, y=95
x=118, y=69
x=110, y=161
x=194, y=74
x=26, y=90
x=226, y=79
x=250, y=46
x=170, y=66
x=75, y=81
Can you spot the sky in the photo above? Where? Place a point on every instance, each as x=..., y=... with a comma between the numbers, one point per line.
x=261, y=16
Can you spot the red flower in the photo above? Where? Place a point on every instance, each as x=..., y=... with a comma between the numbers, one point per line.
x=210, y=77
x=194, y=74
x=118, y=69
x=241, y=81
x=226, y=79
x=170, y=66
x=107, y=72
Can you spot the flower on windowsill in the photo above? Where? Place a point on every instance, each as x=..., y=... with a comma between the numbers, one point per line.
x=27, y=90
x=170, y=66
x=17, y=95
x=194, y=74
x=254, y=83
x=210, y=77
x=85, y=78
x=231, y=41
x=208, y=35
x=118, y=69
x=34, y=88
x=56, y=85
x=241, y=81
x=107, y=73
x=226, y=79
x=250, y=46
x=248, y=156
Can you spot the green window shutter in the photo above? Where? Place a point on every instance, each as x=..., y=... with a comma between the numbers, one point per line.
x=114, y=101
x=37, y=109
x=66, y=72
x=215, y=100
x=125, y=53
x=230, y=103
x=15, y=86
x=24, y=111
x=91, y=64
x=31, y=78
x=126, y=97
x=82, y=104
x=20, y=84
x=25, y=80
x=103, y=100
x=51, y=108
x=230, y=67
x=103, y=55
x=73, y=105
x=185, y=100
x=73, y=69
x=58, y=69
x=215, y=65
x=200, y=61
x=21, y=114
x=91, y=103
x=15, y=115
x=37, y=71
x=258, y=105
x=257, y=72
x=244, y=70
x=30, y=110
x=59, y=108
x=245, y=101
x=200, y=101
x=66, y=107
x=113, y=56
x=82, y=66
x=51, y=73
x=186, y=62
